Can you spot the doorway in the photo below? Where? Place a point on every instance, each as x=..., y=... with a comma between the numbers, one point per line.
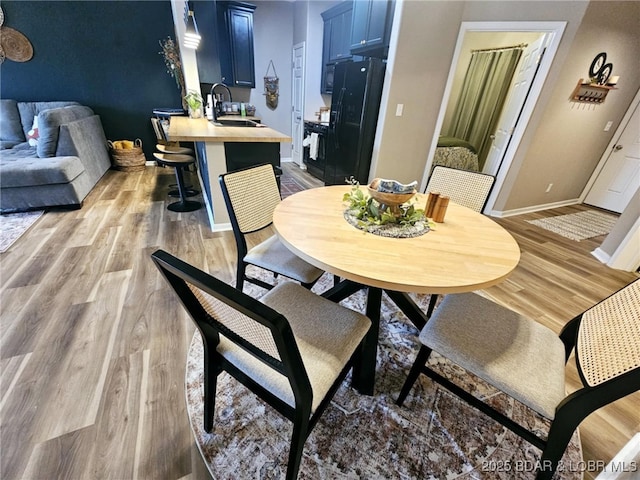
x=297, y=102
x=520, y=106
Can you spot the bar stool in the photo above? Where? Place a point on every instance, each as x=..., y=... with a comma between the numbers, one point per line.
x=170, y=148
x=179, y=161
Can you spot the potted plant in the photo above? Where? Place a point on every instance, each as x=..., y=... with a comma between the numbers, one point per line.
x=194, y=102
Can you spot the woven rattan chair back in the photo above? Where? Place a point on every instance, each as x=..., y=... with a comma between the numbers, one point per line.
x=608, y=342
x=466, y=188
x=252, y=195
x=219, y=309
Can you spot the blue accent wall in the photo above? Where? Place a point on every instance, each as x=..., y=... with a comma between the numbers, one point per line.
x=103, y=54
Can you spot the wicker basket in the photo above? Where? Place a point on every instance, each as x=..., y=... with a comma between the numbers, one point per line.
x=127, y=159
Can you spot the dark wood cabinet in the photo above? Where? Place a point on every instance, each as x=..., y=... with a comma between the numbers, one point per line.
x=336, y=44
x=237, y=65
x=371, y=27
x=227, y=56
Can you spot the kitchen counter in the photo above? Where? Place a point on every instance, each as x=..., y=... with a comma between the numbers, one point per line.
x=222, y=148
x=185, y=129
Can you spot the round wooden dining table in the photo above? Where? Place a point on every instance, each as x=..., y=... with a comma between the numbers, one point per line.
x=468, y=251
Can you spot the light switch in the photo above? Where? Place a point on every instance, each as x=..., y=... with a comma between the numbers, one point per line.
x=607, y=127
x=399, y=109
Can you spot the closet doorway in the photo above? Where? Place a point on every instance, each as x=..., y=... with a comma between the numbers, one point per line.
x=525, y=86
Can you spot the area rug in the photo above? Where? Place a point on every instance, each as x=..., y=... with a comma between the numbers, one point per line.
x=288, y=186
x=578, y=226
x=14, y=225
x=433, y=436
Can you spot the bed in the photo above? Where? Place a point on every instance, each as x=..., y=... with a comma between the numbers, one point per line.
x=455, y=153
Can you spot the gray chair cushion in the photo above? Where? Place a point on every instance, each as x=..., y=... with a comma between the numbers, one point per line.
x=515, y=354
x=273, y=255
x=327, y=334
x=10, y=124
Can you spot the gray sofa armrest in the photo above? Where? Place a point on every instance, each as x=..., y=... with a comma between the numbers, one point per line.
x=85, y=139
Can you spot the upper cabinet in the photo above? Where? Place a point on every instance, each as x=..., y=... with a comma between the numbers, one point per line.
x=225, y=53
x=235, y=38
x=336, y=42
x=371, y=27
x=337, y=33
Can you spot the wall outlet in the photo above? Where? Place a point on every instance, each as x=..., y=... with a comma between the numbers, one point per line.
x=399, y=109
x=607, y=127
x=548, y=188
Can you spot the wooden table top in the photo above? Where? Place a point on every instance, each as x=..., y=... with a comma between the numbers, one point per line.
x=469, y=251
x=185, y=129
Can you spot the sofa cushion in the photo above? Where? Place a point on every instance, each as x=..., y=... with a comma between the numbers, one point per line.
x=20, y=170
x=5, y=144
x=28, y=110
x=49, y=122
x=10, y=124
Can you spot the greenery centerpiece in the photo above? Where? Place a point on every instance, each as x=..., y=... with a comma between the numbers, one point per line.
x=366, y=213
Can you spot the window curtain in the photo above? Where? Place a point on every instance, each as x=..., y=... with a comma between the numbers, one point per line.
x=484, y=90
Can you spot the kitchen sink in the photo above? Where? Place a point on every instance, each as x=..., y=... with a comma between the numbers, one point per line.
x=235, y=123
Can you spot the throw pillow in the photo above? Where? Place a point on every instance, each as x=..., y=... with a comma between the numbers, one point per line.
x=32, y=135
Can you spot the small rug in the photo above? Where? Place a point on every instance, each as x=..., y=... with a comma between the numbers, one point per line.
x=578, y=226
x=13, y=225
x=434, y=435
x=288, y=186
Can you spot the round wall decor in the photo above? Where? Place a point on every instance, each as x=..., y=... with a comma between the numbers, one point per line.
x=16, y=46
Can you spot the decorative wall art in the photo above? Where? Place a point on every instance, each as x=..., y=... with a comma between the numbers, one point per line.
x=13, y=44
x=271, y=87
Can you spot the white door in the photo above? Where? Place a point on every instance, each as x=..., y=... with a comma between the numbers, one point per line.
x=619, y=179
x=513, y=106
x=297, y=107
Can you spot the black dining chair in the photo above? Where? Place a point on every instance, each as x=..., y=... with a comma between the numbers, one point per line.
x=293, y=349
x=526, y=360
x=251, y=195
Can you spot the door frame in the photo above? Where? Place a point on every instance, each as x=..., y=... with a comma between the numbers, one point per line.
x=624, y=123
x=555, y=31
x=298, y=141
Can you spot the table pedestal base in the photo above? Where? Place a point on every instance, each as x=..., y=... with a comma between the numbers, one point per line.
x=364, y=372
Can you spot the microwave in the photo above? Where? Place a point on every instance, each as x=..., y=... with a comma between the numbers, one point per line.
x=327, y=80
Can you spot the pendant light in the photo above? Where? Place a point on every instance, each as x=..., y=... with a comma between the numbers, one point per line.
x=191, y=35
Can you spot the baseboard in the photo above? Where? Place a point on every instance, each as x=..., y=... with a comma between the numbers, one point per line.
x=150, y=163
x=532, y=209
x=286, y=159
x=601, y=255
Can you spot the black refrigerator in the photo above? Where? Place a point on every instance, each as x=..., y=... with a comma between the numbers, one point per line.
x=355, y=104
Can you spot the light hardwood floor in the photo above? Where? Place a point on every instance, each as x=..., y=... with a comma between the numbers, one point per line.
x=93, y=344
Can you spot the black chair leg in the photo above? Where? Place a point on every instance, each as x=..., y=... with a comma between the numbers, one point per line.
x=421, y=360
x=298, y=438
x=210, y=384
x=558, y=438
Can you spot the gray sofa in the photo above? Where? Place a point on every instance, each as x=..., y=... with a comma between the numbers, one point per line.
x=70, y=156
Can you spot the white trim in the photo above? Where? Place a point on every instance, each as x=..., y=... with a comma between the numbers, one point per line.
x=627, y=255
x=601, y=255
x=532, y=209
x=555, y=31
x=221, y=227
x=624, y=123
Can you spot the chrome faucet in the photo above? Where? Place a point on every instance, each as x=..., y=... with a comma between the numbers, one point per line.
x=216, y=101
